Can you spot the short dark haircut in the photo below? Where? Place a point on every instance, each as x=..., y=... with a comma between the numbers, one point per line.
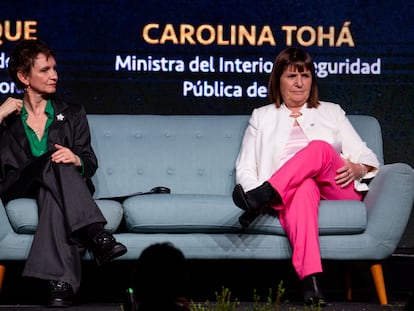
x=300, y=60
x=23, y=57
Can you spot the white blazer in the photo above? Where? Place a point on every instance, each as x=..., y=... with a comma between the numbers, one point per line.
x=268, y=131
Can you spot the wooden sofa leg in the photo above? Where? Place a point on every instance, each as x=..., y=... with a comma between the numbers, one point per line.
x=2, y=270
x=378, y=277
x=348, y=285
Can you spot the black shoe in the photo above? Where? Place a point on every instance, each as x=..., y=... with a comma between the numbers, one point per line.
x=312, y=294
x=105, y=248
x=255, y=199
x=247, y=218
x=60, y=295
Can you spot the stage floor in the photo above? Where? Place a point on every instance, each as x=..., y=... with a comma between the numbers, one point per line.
x=103, y=288
x=246, y=306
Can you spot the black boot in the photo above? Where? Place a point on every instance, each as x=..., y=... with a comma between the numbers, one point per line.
x=252, y=201
x=312, y=294
x=105, y=248
x=247, y=218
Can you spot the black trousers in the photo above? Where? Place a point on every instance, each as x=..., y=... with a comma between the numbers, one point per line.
x=65, y=205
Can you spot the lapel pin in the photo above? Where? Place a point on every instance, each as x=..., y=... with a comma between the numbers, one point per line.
x=60, y=117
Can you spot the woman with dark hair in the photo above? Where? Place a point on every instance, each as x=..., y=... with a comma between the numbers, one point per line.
x=46, y=154
x=295, y=152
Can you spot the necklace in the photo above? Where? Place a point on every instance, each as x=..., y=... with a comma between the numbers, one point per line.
x=295, y=114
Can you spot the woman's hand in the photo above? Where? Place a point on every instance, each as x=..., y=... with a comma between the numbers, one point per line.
x=65, y=155
x=349, y=172
x=9, y=106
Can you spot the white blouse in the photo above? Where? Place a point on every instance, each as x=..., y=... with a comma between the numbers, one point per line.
x=296, y=141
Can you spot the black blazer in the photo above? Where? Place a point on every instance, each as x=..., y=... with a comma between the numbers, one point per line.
x=69, y=128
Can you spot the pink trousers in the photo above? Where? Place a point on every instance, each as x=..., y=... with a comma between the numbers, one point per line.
x=302, y=182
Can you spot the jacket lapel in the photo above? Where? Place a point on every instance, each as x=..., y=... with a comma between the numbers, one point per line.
x=17, y=131
x=59, y=120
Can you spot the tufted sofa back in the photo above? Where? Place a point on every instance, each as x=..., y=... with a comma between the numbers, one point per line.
x=188, y=154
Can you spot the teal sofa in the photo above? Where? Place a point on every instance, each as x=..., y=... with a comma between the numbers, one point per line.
x=194, y=156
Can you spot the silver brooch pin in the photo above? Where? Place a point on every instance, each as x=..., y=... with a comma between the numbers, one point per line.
x=60, y=117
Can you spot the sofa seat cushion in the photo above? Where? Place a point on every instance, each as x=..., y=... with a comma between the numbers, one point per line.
x=335, y=218
x=182, y=213
x=23, y=214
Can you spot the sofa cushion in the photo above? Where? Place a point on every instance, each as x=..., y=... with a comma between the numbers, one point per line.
x=178, y=213
x=23, y=215
x=181, y=213
x=188, y=154
x=335, y=218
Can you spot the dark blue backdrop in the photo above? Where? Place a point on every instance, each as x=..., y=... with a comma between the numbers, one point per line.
x=89, y=35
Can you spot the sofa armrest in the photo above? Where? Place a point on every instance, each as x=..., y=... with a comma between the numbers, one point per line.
x=5, y=226
x=389, y=202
